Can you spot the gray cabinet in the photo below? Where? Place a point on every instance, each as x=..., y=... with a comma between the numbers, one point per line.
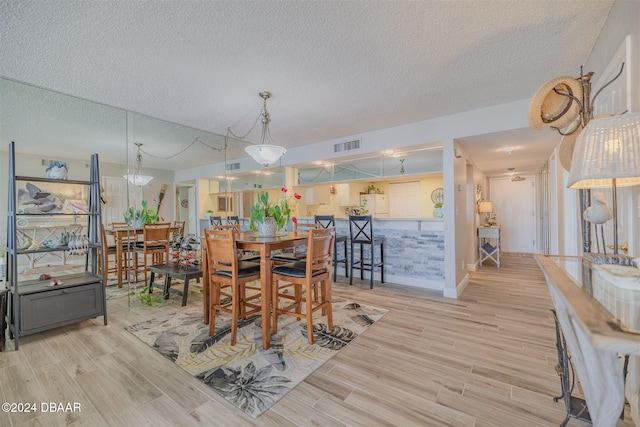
x=38, y=305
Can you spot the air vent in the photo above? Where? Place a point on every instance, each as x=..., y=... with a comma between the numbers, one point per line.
x=49, y=162
x=346, y=146
x=233, y=166
x=518, y=178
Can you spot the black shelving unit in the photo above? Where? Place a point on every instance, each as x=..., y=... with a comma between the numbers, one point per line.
x=35, y=305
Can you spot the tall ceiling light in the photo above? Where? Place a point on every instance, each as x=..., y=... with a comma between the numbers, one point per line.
x=138, y=178
x=265, y=154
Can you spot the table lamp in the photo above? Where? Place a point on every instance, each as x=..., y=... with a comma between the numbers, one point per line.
x=485, y=208
x=607, y=154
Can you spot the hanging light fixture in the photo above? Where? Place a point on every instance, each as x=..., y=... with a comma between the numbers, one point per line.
x=139, y=178
x=265, y=154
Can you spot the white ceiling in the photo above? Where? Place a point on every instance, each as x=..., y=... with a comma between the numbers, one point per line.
x=335, y=68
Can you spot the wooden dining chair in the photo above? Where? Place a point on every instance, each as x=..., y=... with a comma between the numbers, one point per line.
x=106, y=251
x=125, y=236
x=154, y=248
x=225, y=270
x=311, y=275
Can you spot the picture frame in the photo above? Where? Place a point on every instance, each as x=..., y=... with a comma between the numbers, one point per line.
x=225, y=203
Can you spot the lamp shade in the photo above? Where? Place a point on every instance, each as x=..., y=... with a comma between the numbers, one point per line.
x=485, y=207
x=138, y=180
x=265, y=154
x=607, y=149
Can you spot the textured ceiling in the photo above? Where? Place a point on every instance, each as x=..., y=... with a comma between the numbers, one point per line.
x=335, y=68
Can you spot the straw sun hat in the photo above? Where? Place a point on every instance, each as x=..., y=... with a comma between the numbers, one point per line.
x=548, y=108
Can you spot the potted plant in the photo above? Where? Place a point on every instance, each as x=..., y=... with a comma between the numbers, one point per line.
x=269, y=217
x=438, y=212
x=144, y=215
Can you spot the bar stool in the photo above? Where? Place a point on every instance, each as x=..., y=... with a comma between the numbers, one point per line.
x=215, y=220
x=327, y=221
x=311, y=276
x=361, y=232
x=225, y=270
x=231, y=220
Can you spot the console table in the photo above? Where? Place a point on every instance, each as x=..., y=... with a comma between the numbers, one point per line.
x=597, y=329
x=489, y=244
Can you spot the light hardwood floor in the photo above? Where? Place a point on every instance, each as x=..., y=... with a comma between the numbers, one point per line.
x=486, y=359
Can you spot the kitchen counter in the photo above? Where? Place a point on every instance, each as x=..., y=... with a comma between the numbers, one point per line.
x=413, y=248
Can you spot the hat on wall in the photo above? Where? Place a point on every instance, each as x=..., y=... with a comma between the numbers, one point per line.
x=549, y=108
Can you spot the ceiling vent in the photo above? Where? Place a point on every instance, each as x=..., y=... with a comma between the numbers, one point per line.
x=233, y=166
x=346, y=146
x=48, y=162
x=518, y=178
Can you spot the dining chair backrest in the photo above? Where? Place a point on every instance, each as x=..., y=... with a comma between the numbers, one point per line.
x=233, y=220
x=319, y=248
x=234, y=227
x=361, y=228
x=179, y=227
x=221, y=250
x=157, y=232
x=215, y=220
x=325, y=221
x=305, y=226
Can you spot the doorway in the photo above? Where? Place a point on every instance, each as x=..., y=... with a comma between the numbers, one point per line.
x=514, y=206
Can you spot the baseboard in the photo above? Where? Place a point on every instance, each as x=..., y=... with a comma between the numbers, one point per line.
x=455, y=293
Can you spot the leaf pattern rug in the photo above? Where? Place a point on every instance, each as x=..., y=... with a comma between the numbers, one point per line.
x=246, y=375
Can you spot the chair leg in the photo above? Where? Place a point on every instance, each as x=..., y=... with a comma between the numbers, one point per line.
x=326, y=300
x=214, y=299
x=351, y=267
x=372, y=267
x=361, y=262
x=274, y=306
x=335, y=262
x=309, y=312
x=382, y=262
x=346, y=259
x=235, y=311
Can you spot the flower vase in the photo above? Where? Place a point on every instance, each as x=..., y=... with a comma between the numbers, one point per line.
x=268, y=228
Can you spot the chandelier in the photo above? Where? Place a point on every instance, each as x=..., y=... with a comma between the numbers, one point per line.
x=262, y=153
x=139, y=178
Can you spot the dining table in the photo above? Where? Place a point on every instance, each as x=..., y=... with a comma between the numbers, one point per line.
x=251, y=241
x=124, y=237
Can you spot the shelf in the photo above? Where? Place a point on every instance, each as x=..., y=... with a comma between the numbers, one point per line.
x=62, y=181
x=35, y=305
x=60, y=249
x=59, y=214
x=69, y=281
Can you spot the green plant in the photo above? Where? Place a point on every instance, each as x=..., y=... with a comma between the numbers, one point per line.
x=372, y=189
x=147, y=298
x=438, y=205
x=363, y=206
x=145, y=214
x=280, y=211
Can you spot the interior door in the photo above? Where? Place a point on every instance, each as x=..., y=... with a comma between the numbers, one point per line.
x=115, y=195
x=514, y=206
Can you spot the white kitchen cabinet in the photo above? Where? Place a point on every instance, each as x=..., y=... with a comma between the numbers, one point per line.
x=318, y=195
x=376, y=204
x=348, y=194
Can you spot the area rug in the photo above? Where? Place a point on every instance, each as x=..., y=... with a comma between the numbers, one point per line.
x=251, y=378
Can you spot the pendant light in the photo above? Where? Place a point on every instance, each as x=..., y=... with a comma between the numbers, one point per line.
x=265, y=154
x=138, y=178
